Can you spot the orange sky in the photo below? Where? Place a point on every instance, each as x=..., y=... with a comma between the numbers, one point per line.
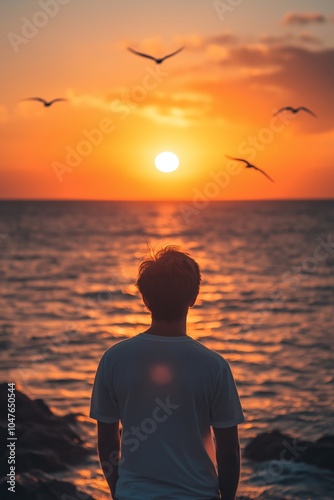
x=215, y=98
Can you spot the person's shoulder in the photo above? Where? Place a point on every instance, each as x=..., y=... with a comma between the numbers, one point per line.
x=119, y=346
x=214, y=356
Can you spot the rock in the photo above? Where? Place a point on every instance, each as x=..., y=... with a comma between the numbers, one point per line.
x=273, y=446
x=42, y=487
x=26, y=408
x=320, y=453
x=45, y=441
x=277, y=446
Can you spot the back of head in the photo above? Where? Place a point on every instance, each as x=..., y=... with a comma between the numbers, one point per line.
x=169, y=282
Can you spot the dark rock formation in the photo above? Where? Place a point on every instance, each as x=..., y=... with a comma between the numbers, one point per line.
x=45, y=441
x=320, y=453
x=276, y=446
x=28, y=487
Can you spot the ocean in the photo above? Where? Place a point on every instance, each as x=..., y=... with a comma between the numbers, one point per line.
x=266, y=304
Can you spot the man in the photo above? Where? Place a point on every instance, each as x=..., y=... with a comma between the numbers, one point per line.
x=168, y=391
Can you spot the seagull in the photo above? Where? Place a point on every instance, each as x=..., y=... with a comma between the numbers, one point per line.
x=45, y=103
x=295, y=110
x=158, y=61
x=249, y=165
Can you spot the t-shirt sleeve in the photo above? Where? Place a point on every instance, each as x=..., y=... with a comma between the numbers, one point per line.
x=104, y=405
x=225, y=408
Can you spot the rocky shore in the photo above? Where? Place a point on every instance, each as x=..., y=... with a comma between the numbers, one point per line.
x=47, y=443
x=277, y=446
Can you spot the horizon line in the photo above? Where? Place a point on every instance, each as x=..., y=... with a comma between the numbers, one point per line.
x=156, y=200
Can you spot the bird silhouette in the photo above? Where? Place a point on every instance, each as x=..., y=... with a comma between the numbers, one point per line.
x=157, y=60
x=47, y=104
x=295, y=110
x=249, y=165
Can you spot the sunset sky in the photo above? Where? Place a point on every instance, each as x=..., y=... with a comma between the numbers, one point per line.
x=242, y=61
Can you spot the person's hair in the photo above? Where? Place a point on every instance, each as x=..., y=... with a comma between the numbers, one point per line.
x=169, y=282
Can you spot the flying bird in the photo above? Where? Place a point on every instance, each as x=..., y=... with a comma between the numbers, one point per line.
x=158, y=61
x=295, y=110
x=45, y=103
x=249, y=165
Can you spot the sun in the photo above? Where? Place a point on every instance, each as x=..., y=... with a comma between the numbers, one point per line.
x=166, y=162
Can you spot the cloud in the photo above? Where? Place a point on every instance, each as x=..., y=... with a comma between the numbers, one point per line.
x=250, y=55
x=92, y=101
x=303, y=18
x=309, y=38
x=176, y=116
x=239, y=82
x=192, y=42
x=225, y=38
x=175, y=108
x=255, y=78
x=276, y=39
x=196, y=42
x=180, y=109
x=290, y=38
x=306, y=77
x=185, y=97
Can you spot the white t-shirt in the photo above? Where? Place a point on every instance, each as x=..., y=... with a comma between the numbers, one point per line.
x=167, y=392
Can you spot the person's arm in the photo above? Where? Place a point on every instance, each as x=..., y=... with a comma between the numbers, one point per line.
x=108, y=440
x=228, y=460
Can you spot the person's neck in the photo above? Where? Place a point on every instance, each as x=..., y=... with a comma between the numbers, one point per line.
x=168, y=328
